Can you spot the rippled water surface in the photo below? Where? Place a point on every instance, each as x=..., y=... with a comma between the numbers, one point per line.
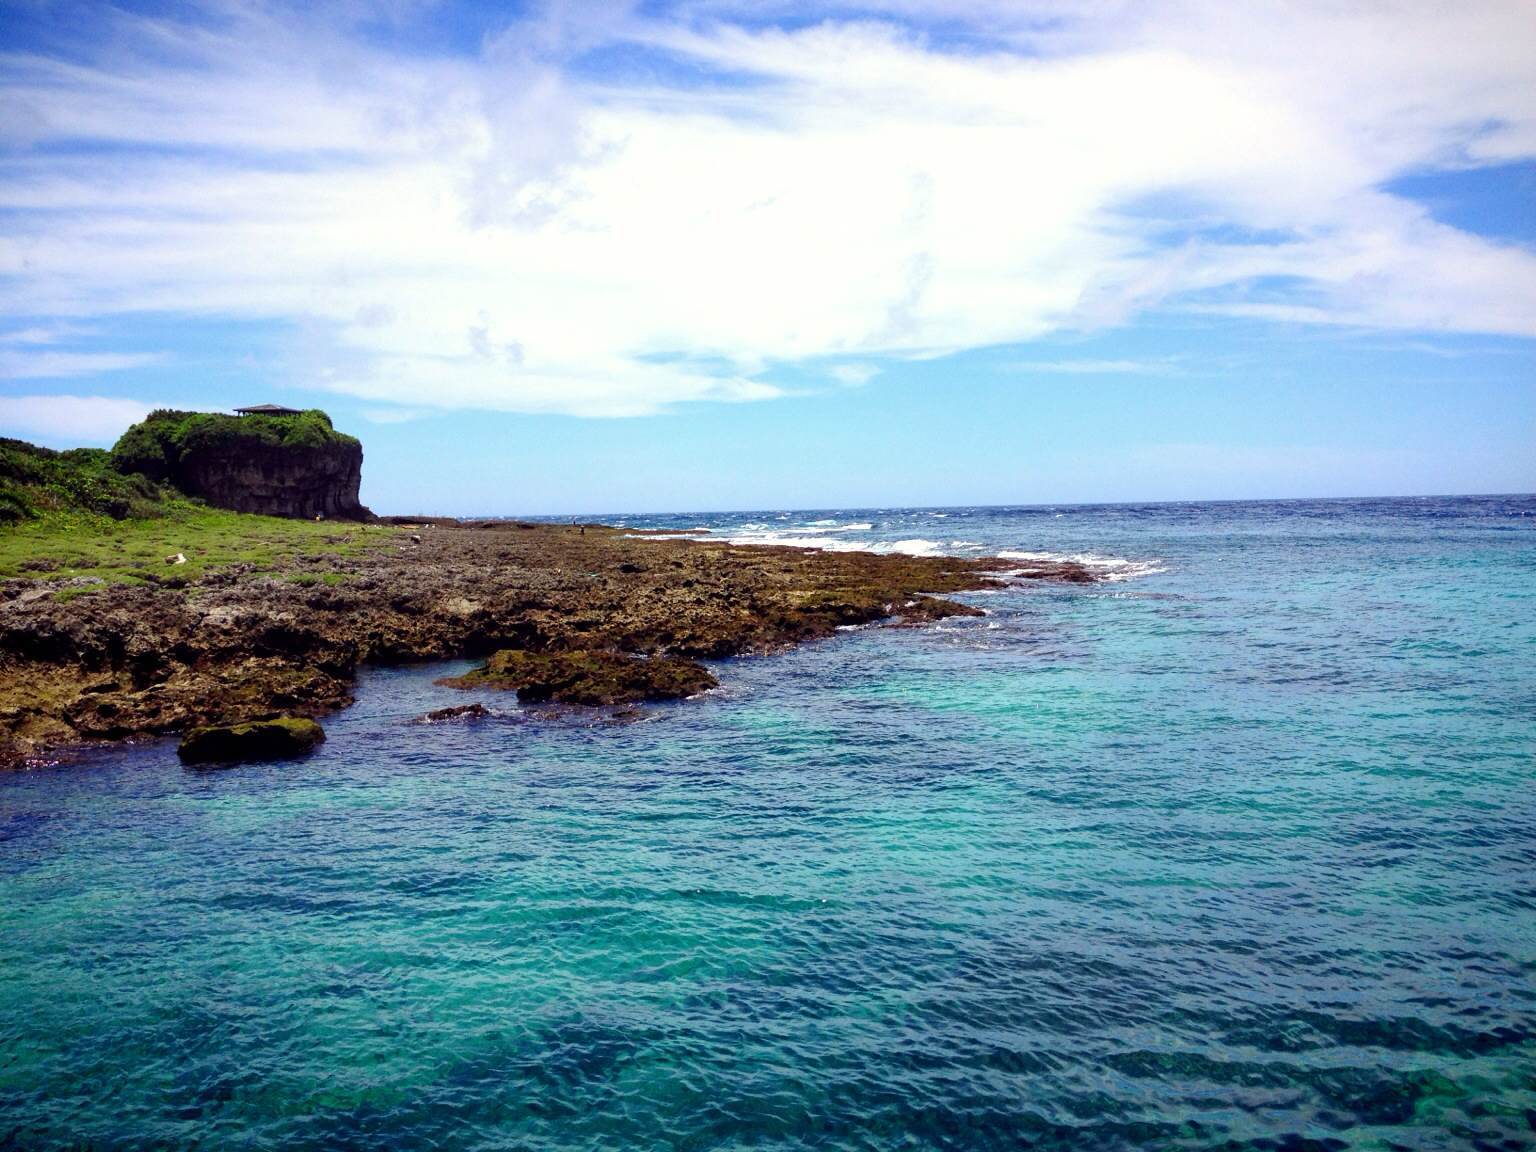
x=1235, y=852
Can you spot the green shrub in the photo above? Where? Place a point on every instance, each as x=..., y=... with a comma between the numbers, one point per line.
x=14, y=506
x=34, y=481
x=155, y=447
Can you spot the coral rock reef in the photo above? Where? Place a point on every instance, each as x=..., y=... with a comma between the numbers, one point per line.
x=575, y=608
x=588, y=678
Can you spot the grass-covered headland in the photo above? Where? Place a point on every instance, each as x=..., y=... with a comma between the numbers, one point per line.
x=74, y=516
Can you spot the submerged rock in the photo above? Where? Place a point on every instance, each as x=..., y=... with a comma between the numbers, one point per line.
x=457, y=712
x=588, y=677
x=282, y=739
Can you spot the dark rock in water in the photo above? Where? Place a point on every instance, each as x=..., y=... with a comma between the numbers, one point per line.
x=458, y=712
x=282, y=739
x=293, y=465
x=926, y=609
x=586, y=677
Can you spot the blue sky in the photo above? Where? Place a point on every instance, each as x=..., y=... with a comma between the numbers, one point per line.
x=582, y=257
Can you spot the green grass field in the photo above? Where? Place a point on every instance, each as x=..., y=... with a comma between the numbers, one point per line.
x=70, y=514
x=64, y=545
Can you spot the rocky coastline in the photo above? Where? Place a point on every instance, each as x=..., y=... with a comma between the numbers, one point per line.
x=591, y=614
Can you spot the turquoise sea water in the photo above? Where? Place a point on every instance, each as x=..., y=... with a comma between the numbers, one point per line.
x=1235, y=852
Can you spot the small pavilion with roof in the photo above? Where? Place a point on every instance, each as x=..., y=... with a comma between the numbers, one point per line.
x=267, y=410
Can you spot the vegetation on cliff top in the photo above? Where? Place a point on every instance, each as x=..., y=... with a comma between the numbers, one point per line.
x=36, y=483
x=132, y=481
x=156, y=445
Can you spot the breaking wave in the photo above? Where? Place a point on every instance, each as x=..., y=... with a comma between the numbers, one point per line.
x=901, y=532
x=913, y=547
x=1107, y=568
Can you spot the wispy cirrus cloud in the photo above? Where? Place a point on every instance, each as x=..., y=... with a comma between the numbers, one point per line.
x=853, y=375
x=529, y=228
x=70, y=419
x=40, y=334
x=49, y=364
x=391, y=415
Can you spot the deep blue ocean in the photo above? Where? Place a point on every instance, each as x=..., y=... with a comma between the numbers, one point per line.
x=1234, y=851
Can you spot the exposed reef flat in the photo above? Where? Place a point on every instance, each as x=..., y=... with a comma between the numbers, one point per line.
x=282, y=635
x=589, y=678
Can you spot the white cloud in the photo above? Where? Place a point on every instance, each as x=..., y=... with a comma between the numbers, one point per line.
x=853, y=375
x=391, y=415
x=40, y=334
x=505, y=232
x=31, y=364
x=70, y=419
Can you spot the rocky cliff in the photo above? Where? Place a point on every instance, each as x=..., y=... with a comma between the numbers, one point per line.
x=286, y=465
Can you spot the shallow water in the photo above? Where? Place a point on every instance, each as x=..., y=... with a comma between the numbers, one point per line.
x=1236, y=852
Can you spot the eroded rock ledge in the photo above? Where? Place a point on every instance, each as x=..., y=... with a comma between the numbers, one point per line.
x=118, y=661
x=593, y=679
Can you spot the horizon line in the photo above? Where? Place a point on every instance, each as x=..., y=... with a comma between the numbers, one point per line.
x=1056, y=504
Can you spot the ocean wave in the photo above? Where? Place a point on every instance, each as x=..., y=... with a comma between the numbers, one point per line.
x=1110, y=569
x=913, y=547
x=826, y=536
x=828, y=526
x=916, y=547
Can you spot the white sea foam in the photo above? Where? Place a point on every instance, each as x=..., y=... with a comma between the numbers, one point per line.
x=829, y=526
x=914, y=547
x=789, y=540
x=828, y=536
x=1107, y=568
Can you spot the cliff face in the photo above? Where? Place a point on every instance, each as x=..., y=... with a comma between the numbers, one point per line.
x=277, y=480
x=296, y=466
